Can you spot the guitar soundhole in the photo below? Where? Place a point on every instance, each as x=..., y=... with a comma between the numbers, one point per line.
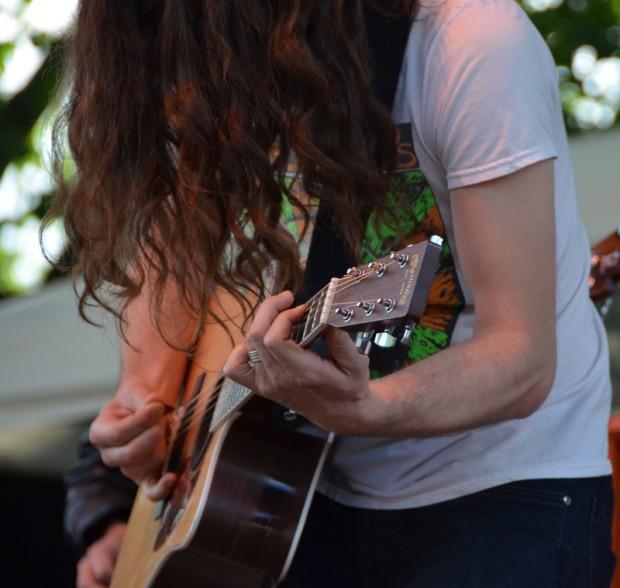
x=175, y=460
x=184, y=463
x=203, y=436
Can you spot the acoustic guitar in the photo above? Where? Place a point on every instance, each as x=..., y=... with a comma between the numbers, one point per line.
x=247, y=468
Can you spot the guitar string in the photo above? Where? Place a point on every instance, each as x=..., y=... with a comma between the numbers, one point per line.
x=214, y=396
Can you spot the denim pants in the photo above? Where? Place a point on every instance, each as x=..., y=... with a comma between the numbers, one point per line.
x=528, y=534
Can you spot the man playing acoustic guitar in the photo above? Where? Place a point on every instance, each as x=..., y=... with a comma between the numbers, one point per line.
x=482, y=460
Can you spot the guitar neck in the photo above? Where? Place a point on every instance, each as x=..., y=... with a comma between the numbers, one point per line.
x=376, y=297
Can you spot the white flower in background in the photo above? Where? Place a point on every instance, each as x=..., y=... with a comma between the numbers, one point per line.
x=542, y=5
x=29, y=267
x=20, y=66
x=21, y=189
x=9, y=27
x=604, y=80
x=51, y=17
x=584, y=60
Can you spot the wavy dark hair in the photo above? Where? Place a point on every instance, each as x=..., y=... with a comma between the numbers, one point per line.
x=173, y=112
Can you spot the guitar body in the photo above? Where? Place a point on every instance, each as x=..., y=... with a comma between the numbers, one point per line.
x=239, y=506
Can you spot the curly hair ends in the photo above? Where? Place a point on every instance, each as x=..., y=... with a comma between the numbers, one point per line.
x=173, y=113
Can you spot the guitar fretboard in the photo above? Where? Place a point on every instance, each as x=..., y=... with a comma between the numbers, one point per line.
x=307, y=329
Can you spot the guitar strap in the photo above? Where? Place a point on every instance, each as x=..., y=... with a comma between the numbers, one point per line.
x=387, y=38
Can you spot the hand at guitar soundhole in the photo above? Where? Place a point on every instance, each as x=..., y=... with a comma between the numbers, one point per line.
x=131, y=433
x=333, y=393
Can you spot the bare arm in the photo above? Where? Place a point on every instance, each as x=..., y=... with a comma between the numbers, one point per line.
x=131, y=429
x=506, y=244
x=149, y=363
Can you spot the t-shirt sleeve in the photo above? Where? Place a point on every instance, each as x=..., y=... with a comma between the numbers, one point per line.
x=489, y=95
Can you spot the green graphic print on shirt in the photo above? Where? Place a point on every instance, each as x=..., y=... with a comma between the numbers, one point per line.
x=422, y=220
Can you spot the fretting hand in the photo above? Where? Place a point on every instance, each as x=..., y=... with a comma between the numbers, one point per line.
x=333, y=393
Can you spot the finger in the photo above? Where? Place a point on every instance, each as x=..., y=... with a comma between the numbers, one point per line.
x=145, y=450
x=101, y=560
x=108, y=430
x=283, y=324
x=148, y=469
x=267, y=313
x=238, y=368
x=85, y=576
x=343, y=351
x=159, y=489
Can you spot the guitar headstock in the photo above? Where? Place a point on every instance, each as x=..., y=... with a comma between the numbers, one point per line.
x=377, y=300
x=605, y=270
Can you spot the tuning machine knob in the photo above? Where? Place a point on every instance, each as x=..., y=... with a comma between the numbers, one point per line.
x=405, y=337
x=363, y=341
x=386, y=339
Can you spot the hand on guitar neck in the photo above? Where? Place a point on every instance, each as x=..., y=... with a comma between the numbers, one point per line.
x=333, y=393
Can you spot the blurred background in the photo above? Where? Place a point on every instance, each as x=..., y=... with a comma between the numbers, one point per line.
x=55, y=371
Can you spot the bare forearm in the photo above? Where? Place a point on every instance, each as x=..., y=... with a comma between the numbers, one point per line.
x=149, y=361
x=498, y=375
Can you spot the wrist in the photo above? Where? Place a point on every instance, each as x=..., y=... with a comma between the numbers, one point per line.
x=378, y=410
x=369, y=416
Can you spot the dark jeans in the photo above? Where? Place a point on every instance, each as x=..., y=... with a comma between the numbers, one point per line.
x=529, y=534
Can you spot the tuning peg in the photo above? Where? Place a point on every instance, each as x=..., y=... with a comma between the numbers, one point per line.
x=405, y=338
x=386, y=339
x=367, y=306
x=345, y=313
x=388, y=303
x=363, y=341
x=401, y=258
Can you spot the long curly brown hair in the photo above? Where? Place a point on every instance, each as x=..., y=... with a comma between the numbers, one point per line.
x=173, y=112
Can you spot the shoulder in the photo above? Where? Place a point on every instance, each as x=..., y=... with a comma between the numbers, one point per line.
x=445, y=29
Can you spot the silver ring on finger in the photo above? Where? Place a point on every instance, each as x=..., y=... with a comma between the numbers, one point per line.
x=254, y=357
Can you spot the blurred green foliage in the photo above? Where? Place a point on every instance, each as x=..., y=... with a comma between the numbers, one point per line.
x=572, y=24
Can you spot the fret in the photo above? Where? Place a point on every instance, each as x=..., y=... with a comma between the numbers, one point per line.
x=312, y=312
x=298, y=331
x=316, y=321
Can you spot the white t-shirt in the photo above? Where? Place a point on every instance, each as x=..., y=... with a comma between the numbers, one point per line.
x=479, y=89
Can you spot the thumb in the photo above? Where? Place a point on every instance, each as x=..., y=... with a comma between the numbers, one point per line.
x=343, y=351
